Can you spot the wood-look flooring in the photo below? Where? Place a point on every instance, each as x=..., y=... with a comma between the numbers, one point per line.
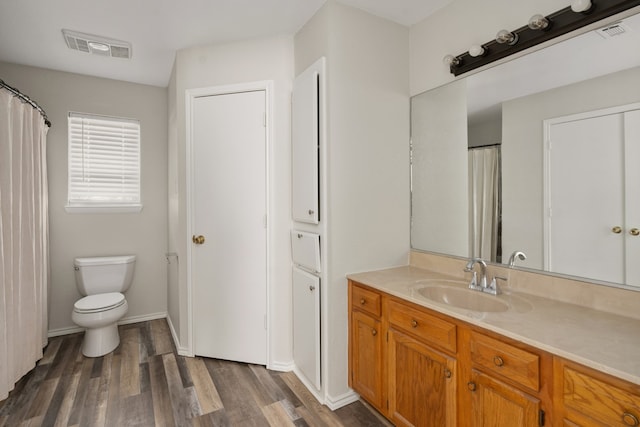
x=145, y=383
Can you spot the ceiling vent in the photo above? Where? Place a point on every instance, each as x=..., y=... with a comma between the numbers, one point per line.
x=97, y=45
x=613, y=30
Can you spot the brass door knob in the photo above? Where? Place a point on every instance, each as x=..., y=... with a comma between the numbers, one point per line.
x=617, y=229
x=634, y=232
x=198, y=240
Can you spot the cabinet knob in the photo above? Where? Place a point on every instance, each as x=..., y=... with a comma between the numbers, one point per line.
x=498, y=361
x=414, y=323
x=630, y=419
x=634, y=232
x=312, y=288
x=311, y=211
x=299, y=235
x=617, y=229
x=374, y=332
x=447, y=373
x=471, y=386
x=363, y=301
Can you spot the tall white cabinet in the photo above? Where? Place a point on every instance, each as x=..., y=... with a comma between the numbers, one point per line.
x=308, y=233
x=363, y=132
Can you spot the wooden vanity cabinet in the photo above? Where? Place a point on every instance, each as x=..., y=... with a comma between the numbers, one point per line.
x=585, y=397
x=504, y=387
x=422, y=377
x=419, y=367
x=366, y=354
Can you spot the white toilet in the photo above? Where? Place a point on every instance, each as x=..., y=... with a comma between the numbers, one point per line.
x=102, y=280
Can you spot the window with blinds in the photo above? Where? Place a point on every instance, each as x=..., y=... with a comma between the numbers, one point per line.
x=104, y=163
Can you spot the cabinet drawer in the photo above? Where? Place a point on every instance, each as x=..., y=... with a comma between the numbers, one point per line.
x=598, y=400
x=366, y=300
x=429, y=328
x=506, y=360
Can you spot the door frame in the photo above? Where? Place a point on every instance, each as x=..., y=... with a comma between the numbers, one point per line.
x=190, y=96
x=546, y=159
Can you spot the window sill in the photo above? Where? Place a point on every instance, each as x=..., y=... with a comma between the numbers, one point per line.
x=106, y=209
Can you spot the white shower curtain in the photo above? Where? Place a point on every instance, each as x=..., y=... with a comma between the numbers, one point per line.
x=484, y=189
x=24, y=257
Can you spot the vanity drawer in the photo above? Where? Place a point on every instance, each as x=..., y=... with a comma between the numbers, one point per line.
x=427, y=327
x=366, y=300
x=598, y=400
x=506, y=360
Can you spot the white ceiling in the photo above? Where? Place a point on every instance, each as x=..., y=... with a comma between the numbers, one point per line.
x=30, y=30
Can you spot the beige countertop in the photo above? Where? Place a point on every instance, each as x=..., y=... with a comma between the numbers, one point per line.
x=607, y=342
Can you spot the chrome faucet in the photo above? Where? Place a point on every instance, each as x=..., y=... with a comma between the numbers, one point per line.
x=483, y=274
x=516, y=254
x=491, y=288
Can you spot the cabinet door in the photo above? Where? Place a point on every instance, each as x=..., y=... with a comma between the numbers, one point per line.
x=422, y=385
x=366, y=358
x=496, y=404
x=305, y=146
x=306, y=325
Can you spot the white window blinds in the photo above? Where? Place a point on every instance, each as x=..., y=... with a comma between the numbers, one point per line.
x=104, y=161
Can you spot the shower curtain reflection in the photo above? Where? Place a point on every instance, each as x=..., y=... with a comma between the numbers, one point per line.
x=23, y=237
x=485, y=203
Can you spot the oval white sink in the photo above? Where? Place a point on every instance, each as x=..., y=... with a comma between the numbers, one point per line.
x=462, y=298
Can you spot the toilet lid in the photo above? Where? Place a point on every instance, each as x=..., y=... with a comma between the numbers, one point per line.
x=99, y=302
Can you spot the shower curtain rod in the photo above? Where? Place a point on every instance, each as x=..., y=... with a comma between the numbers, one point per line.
x=26, y=99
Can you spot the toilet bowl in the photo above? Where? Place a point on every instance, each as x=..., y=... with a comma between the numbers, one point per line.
x=102, y=280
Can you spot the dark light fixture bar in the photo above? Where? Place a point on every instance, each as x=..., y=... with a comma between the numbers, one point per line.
x=559, y=23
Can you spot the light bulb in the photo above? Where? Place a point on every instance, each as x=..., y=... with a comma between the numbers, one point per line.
x=538, y=22
x=505, y=36
x=450, y=60
x=476, y=50
x=580, y=5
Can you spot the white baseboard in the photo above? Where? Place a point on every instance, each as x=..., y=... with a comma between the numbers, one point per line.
x=125, y=321
x=343, y=400
x=282, y=366
x=312, y=389
x=182, y=351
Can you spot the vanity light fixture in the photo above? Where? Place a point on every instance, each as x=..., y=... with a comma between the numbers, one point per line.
x=574, y=16
x=538, y=22
x=477, y=50
x=581, y=6
x=507, y=37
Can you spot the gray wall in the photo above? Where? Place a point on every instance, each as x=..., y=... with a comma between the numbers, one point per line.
x=72, y=235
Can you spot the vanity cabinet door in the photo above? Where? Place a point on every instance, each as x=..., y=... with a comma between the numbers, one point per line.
x=497, y=404
x=422, y=384
x=589, y=398
x=366, y=358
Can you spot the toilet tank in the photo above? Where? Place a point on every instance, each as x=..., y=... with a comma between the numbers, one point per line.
x=97, y=275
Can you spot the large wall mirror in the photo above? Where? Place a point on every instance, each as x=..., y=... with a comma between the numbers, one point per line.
x=540, y=155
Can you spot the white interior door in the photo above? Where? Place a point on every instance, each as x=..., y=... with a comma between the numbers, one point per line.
x=586, y=198
x=632, y=195
x=229, y=269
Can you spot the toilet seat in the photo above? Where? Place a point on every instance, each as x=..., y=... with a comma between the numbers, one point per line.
x=99, y=302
